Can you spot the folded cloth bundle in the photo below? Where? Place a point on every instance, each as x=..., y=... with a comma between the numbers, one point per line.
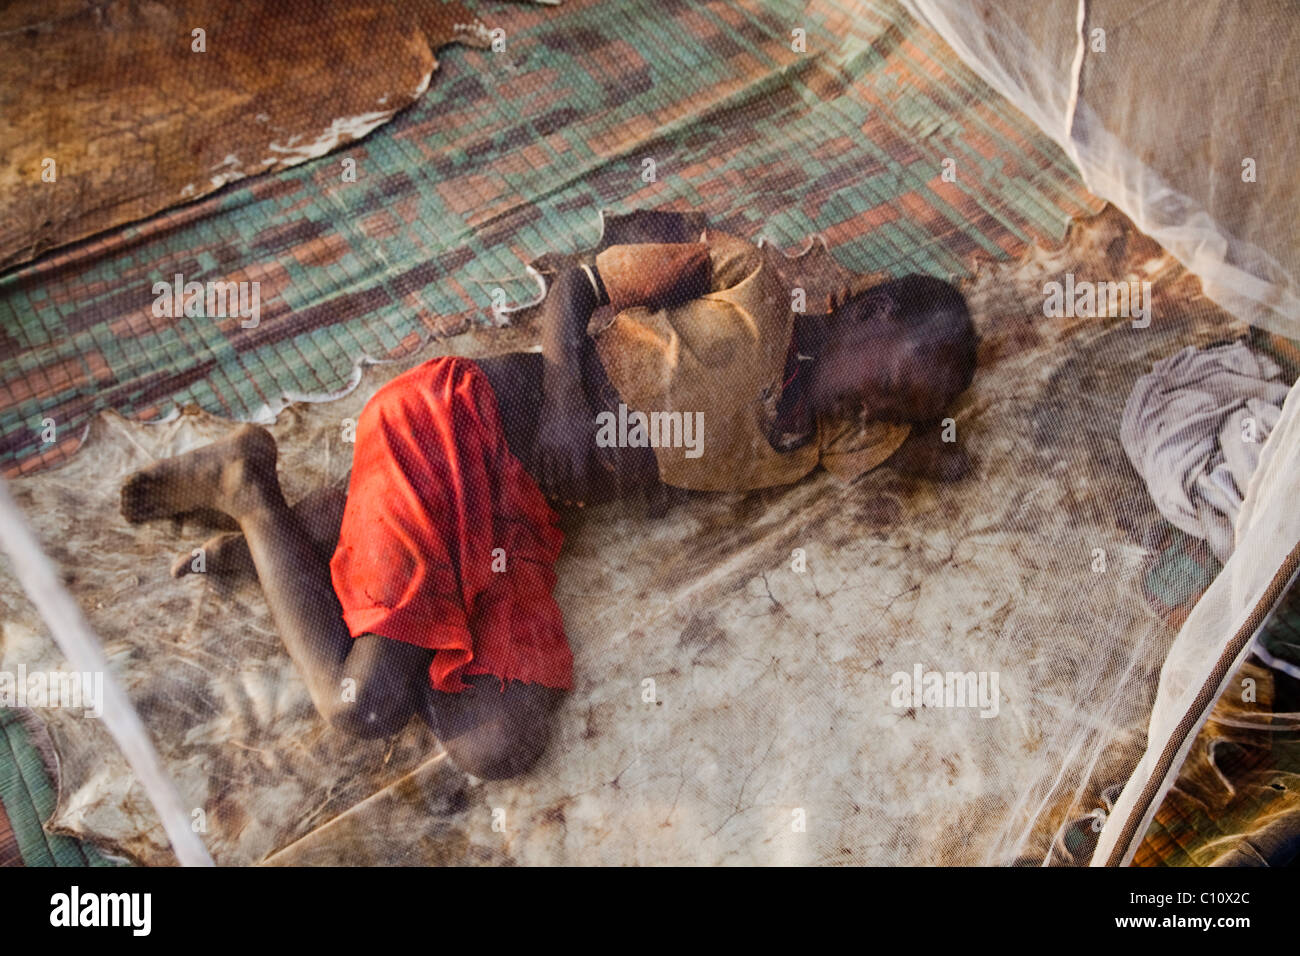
x=1194, y=426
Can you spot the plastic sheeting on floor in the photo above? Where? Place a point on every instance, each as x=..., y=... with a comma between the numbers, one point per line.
x=770, y=735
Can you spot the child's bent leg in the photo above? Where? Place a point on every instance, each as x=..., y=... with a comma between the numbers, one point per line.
x=489, y=731
x=237, y=476
x=448, y=541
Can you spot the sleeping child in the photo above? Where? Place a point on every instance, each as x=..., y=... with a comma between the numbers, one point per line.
x=427, y=589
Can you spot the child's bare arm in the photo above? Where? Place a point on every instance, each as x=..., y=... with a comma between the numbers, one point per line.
x=565, y=314
x=567, y=425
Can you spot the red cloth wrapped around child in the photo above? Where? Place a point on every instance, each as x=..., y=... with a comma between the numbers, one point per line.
x=447, y=542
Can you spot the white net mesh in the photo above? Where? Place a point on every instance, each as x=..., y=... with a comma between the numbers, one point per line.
x=782, y=632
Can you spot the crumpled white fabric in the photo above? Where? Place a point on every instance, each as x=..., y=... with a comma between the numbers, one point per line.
x=1186, y=432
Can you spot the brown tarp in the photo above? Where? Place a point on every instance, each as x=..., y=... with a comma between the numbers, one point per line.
x=110, y=112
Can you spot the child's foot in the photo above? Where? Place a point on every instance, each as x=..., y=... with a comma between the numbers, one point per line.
x=224, y=475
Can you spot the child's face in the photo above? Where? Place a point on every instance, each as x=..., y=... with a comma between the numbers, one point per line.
x=870, y=367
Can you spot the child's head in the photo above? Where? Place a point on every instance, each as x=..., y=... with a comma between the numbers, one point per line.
x=901, y=351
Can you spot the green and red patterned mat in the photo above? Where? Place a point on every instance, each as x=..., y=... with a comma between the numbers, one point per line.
x=512, y=154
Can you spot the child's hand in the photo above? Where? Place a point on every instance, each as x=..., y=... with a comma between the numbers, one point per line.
x=565, y=457
x=925, y=456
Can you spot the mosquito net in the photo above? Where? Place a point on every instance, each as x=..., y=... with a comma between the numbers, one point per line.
x=893, y=670
x=1202, y=173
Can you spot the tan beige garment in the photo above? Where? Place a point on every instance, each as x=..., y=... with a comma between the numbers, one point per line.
x=720, y=360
